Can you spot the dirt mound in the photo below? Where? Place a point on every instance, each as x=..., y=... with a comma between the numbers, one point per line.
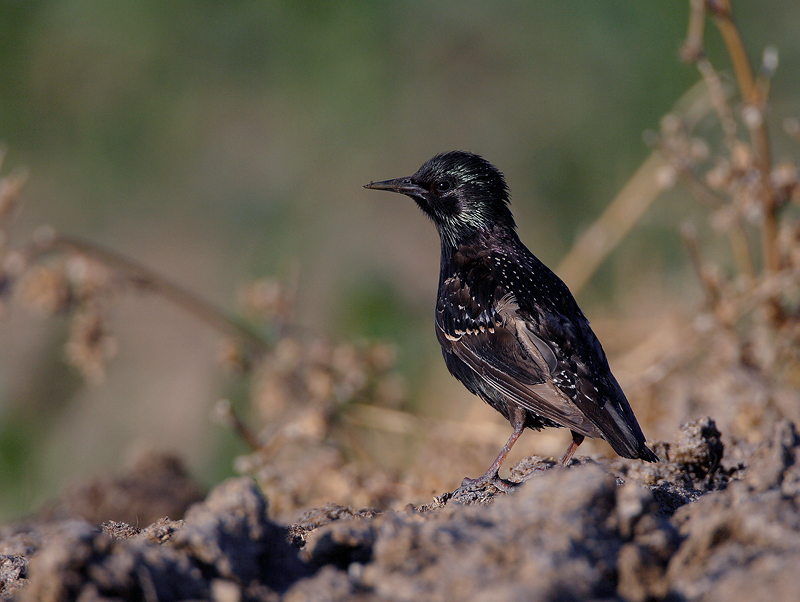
x=695, y=526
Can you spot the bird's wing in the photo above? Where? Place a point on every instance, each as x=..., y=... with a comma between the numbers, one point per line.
x=506, y=355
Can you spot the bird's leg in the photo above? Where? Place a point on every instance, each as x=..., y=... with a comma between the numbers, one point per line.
x=492, y=475
x=494, y=469
x=577, y=439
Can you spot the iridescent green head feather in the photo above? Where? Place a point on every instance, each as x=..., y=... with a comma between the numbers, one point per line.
x=461, y=192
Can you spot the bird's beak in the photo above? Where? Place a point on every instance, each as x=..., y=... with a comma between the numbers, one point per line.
x=401, y=185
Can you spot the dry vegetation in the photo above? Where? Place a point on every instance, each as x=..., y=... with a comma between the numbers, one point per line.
x=320, y=408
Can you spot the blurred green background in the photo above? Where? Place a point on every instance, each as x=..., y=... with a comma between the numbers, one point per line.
x=223, y=141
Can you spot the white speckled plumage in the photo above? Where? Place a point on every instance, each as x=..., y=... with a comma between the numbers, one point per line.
x=509, y=328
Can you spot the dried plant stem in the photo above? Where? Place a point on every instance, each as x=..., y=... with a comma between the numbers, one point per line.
x=693, y=46
x=769, y=233
x=742, y=254
x=723, y=17
x=146, y=279
x=741, y=247
x=753, y=98
x=710, y=285
x=719, y=100
x=223, y=412
x=627, y=208
x=603, y=236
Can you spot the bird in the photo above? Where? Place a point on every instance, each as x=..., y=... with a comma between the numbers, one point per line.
x=510, y=329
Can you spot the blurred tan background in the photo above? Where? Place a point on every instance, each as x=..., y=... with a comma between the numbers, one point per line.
x=222, y=142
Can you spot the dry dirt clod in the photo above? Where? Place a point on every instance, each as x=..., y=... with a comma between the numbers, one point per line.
x=154, y=486
x=318, y=517
x=12, y=574
x=596, y=530
x=232, y=537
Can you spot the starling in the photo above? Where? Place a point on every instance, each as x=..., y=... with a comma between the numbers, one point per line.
x=509, y=328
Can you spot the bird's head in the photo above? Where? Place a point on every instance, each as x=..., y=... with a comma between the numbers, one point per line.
x=461, y=192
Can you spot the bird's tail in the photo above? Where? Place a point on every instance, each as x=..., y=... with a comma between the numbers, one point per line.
x=647, y=454
x=627, y=439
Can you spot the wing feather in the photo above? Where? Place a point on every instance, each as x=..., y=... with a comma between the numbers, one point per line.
x=545, y=359
x=542, y=398
x=515, y=362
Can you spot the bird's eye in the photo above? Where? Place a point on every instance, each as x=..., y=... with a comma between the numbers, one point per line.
x=442, y=186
